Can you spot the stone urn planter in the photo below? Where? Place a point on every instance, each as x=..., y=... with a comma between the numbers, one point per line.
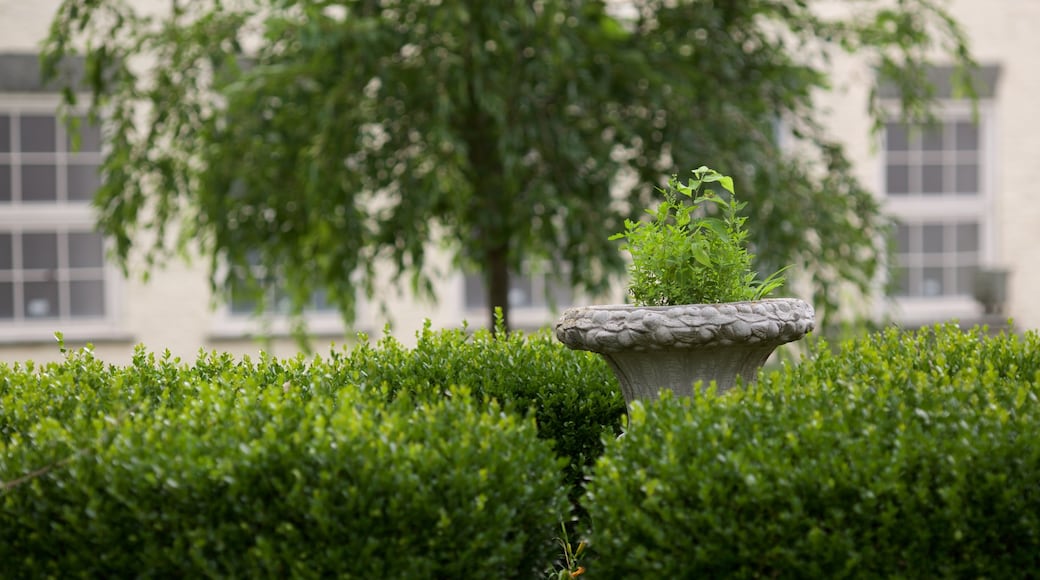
x=673, y=347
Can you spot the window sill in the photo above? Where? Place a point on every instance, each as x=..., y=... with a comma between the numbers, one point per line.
x=918, y=312
x=40, y=334
x=229, y=328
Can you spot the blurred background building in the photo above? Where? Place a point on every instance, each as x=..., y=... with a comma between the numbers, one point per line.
x=963, y=194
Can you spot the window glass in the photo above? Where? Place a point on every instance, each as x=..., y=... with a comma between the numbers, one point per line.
x=41, y=300
x=895, y=137
x=5, y=133
x=521, y=292
x=902, y=277
x=932, y=179
x=967, y=136
x=40, y=251
x=531, y=290
x=932, y=282
x=242, y=303
x=966, y=279
x=86, y=250
x=6, y=300
x=932, y=138
x=87, y=298
x=280, y=301
x=6, y=261
x=320, y=302
x=968, y=237
x=243, y=299
x=902, y=238
x=89, y=138
x=39, y=183
x=476, y=297
x=38, y=133
x=932, y=239
x=968, y=178
x=898, y=179
x=83, y=182
x=6, y=187
x=561, y=292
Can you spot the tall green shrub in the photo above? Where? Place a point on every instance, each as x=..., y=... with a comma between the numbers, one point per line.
x=902, y=455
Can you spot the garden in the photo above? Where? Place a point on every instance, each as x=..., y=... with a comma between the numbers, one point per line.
x=911, y=454
x=503, y=454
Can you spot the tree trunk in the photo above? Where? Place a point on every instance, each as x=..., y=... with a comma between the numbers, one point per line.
x=486, y=169
x=497, y=277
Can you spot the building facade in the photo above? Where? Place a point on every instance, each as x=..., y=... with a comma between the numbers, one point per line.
x=962, y=192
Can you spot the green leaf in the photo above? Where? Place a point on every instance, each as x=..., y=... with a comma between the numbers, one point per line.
x=700, y=254
x=718, y=227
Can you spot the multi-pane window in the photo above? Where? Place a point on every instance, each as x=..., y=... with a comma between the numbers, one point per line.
x=937, y=160
x=937, y=259
x=243, y=302
x=935, y=180
x=51, y=274
x=40, y=164
x=52, y=261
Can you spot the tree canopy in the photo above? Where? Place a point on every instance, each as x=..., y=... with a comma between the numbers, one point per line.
x=316, y=138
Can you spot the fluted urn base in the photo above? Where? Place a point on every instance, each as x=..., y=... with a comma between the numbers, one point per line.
x=674, y=347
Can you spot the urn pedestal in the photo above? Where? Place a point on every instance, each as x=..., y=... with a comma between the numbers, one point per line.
x=673, y=347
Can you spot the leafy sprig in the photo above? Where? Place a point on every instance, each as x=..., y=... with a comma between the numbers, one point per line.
x=694, y=248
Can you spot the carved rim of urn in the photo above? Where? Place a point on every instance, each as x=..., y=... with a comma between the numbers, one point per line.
x=620, y=328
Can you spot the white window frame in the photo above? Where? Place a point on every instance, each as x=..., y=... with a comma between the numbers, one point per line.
x=947, y=209
x=59, y=216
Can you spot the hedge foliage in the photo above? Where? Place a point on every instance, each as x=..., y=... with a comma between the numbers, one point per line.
x=904, y=454
x=367, y=463
x=574, y=396
x=901, y=455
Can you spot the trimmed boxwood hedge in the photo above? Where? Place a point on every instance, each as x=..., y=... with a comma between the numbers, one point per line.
x=902, y=455
x=241, y=470
x=61, y=423
x=574, y=396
